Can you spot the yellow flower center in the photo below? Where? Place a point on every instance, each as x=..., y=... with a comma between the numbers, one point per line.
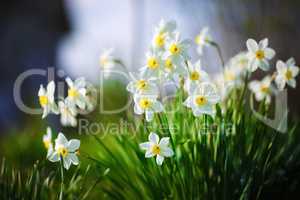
x=169, y=64
x=229, y=76
x=141, y=84
x=194, y=76
x=62, y=151
x=159, y=40
x=103, y=61
x=201, y=100
x=152, y=63
x=264, y=88
x=47, y=143
x=72, y=92
x=145, y=103
x=288, y=74
x=43, y=100
x=260, y=54
x=155, y=149
x=174, y=49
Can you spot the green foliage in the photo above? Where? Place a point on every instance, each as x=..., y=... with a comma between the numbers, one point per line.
x=234, y=156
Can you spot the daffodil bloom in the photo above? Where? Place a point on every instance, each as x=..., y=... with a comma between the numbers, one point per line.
x=46, y=99
x=203, y=39
x=47, y=140
x=176, y=49
x=147, y=104
x=162, y=32
x=239, y=63
x=286, y=73
x=65, y=150
x=142, y=86
x=262, y=89
x=68, y=113
x=195, y=76
x=153, y=64
x=156, y=147
x=107, y=61
x=203, y=99
x=77, y=92
x=172, y=70
x=259, y=54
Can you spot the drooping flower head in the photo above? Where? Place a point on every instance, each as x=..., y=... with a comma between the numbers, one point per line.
x=162, y=32
x=68, y=113
x=46, y=99
x=203, y=39
x=259, y=54
x=156, y=147
x=262, y=89
x=286, y=73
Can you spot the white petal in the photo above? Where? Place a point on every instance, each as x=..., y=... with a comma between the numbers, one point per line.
x=253, y=65
x=42, y=91
x=291, y=61
x=145, y=145
x=292, y=83
x=167, y=152
x=149, y=154
x=159, y=159
x=164, y=141
x=252, y=45
x=130, y=87
x=149, y=115
x=188, y=102
x=281, y=67
x=73, y=145
x=153, y=137
x=137, y=109
x=295, y=71
x=269, y=53
x=51, y=88
x=61, y=139
x=54, y=157
x=263, y=43
x=69, y=82
x=73, y=158
x=67, y=162
x=264, y=65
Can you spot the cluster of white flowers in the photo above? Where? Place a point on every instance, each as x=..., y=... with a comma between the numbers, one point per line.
x=63, y=150
x=168, y=61
x=81, y=96
x=259, y=55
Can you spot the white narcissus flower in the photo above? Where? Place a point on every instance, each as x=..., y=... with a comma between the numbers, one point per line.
x=142, y=86
x=77, y=92
x=259, y=54
x=47, y=140
x=157, y=148
x=46, y=99
x=195, y=76
x=203, y=39
x=172, y=70
x=153, y=64
x=286, y=73
x=176, y=49
x=262, y=89
x=65, y=150
x=68, y=113
x=107, y=61
x=147, y=104
x=203, y=99
x=162, y=32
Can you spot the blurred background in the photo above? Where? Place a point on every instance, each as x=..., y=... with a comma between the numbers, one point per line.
x=69, y=35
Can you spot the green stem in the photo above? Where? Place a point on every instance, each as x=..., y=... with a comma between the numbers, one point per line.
x=62, y=179
x=214, y=44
